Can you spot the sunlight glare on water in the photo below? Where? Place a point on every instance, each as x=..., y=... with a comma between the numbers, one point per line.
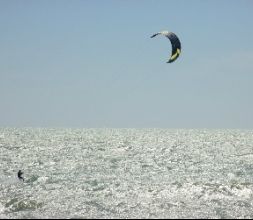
x=126, y=173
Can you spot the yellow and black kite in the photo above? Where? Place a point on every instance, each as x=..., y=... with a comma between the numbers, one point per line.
x=175, y=43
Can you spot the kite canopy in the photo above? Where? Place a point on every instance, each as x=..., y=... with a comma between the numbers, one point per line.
x=175, y=43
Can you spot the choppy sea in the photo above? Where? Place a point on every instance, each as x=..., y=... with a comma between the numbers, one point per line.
x=126, y=173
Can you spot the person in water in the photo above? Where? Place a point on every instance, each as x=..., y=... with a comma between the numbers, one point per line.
x=20, y=173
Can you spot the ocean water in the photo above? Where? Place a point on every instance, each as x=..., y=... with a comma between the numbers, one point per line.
x=126, y=173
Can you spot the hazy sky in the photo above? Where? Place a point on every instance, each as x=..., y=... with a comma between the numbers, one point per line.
x=92, y=63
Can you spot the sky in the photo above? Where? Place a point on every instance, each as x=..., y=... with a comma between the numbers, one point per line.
x=92, y=64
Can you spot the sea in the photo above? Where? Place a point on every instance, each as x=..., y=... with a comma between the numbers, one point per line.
x=126, y=173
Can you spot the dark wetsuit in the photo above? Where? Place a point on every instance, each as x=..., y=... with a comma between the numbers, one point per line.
x=20, y=175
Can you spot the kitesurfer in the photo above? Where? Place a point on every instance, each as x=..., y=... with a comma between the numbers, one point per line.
x=20, y=173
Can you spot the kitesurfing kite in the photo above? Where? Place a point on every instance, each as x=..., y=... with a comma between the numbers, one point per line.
x=175, y=43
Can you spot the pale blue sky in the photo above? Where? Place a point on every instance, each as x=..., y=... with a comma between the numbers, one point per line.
x=93, y=64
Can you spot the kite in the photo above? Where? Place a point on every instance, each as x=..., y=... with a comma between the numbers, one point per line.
x=175, y=43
